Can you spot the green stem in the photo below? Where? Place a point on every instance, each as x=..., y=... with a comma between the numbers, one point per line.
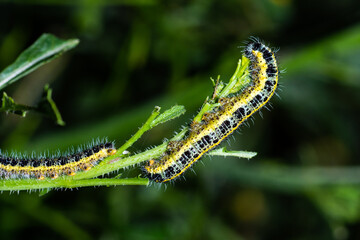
x=205, y=108
x=34, y=184
x=145, y=127
x=115, y=163
x=110, y=164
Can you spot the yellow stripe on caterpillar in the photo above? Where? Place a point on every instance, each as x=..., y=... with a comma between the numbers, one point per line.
x=53, y=167
x=223, y=120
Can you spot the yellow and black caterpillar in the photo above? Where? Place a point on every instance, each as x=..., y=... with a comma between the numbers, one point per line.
x=225, y=119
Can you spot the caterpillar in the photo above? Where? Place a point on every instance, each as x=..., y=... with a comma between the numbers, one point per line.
x=216, y=125
x=13, y=167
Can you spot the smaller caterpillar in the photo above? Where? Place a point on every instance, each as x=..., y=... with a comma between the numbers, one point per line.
x=216, y=125
x=53, y=167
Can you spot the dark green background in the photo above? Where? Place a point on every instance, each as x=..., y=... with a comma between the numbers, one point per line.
x=134, y=55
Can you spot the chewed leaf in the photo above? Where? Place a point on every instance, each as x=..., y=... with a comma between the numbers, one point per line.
x=8, y=105
x=47, y=106
x=45, y=49
x=224, y=152
x=169, y=114
x=239, y=80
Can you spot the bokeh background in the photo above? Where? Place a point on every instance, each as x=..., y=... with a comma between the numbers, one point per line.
x=136, y=54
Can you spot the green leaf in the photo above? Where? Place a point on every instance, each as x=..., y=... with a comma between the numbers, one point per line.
x=45, y=49
x=9, y=106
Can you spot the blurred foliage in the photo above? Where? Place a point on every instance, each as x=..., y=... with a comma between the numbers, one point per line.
x=134, y=55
